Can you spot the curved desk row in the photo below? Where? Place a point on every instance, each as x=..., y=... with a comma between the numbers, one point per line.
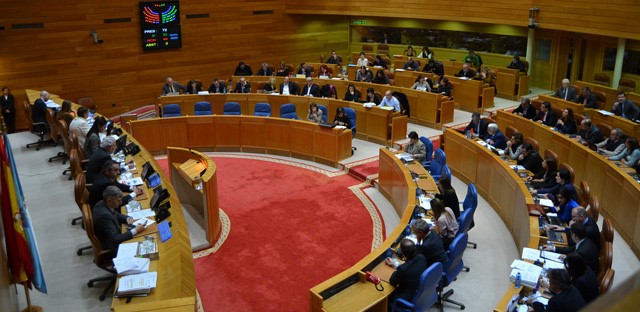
x=176, y=284
x=372, y=124
x=426, y=108
x=287, y=137
x=619, y=193
x=349, y=290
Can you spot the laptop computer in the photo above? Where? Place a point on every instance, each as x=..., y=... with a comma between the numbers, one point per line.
x=173, y=93
x=325, y=124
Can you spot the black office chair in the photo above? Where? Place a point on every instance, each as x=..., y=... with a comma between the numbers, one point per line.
x=102, y=257
x=39, y=128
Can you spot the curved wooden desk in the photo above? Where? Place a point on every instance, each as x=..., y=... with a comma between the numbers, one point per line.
x=176, y=284
x=193, y=175
x=295, y=138
x=349, y=290
x=618, y=192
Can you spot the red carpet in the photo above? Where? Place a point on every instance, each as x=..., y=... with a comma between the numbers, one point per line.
x=291, y=229
x=361, y=170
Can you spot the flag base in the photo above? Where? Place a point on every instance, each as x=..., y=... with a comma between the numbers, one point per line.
x=32, y=309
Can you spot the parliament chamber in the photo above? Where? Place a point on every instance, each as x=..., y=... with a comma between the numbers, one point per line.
x=589, y=42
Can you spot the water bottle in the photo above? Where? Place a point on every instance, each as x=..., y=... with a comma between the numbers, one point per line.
x=518, y=280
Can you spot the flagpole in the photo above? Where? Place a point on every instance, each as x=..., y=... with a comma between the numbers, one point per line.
x=30, y=308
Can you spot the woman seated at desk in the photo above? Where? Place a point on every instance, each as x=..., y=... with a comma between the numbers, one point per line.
x=352, y=94
x=447, y=195
x=631, y=154
x=283, y=70
x=341, y=118
x=372, y=97
x=565, y=205
x=92, y=143
x=378, y=61
x=567, y=123
x=409, y=51
x=66, y=113
x=487, y=76
x=323, y=72
x=422, y=83
x=447, y=225
x=545, y=178
x=514, y=145
x=380, y=78
x=415, y=147
x=315, y=114
x=563, y=181
x=270, y=86
x=193, y=87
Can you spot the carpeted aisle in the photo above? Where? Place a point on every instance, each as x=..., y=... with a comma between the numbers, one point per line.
x=291, y=228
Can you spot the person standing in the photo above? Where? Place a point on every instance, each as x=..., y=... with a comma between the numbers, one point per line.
x=8, y=109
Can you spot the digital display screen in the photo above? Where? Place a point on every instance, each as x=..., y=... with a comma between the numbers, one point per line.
x=160, y=21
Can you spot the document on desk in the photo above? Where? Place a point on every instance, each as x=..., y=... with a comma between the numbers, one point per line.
x=132, y=182
x=425, y=202
x=388, y=108
x=52, y=104
x=553, y=256
x=528, y=272
x=144, y=221
x=127, y=250
x=604, y=112
x=145, y=213
x=546, y=202
x=137, y=284
x=405, y=156
x=128, y=266
x=518, y=167
x=530, y=254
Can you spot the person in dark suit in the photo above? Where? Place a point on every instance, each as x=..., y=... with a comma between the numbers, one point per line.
x=495, y=137
x=583, y=247
x=477, y=128
x=283, y=70
x=516, y=63
x=372, y=97
x=525, y=109
x=243, y=70
x=429, y=243
x=566, y=298
x=328, y=91
x=334, y=59
x=589, y=134
x=341, y=118
x=243, y=86
x=625, y=108
x=563, y=181
x=352, y=94
x=411, y=64
x=310, y=89
x=465, y=72
x=265, y=70
x=567, y=123
x=288, y=87
x=304, y=70
x=92, y=142
x=217, y=86
x=579, y=215
x=566, y=92
x=406, y=278
x=39, y=112
x=171, y=86
x=107, y=222
x=547, y=116
x=8, y=109
x=530, y=159
x=582, y=277
x=447, y=195
x=99, y=157
x=588, y=99
x=193, y=87
x=108, y=176
x=545, y=178
x=444, y=87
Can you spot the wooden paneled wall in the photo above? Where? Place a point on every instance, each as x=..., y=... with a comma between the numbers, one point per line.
x=62, y=58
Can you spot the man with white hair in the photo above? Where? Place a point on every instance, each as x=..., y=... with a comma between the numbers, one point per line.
x=39, y=112
x=99, y=157
x=495, y=137
x=311, y=89
x=566, y=92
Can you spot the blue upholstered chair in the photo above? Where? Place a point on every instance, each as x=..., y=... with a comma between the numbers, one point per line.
x=429, y=147
x=231, y=108
x=324, y=112
x=440, y=156
x=452, y=268
x=262, y=109
x=352, y=119
x=427, y=293
x=471, y=203
x=288, y=111
x=171, y=110
x=202, y=108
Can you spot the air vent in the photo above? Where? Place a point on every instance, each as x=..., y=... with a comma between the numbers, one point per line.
x=263, y=12
x=117, y=20
x=26, y=26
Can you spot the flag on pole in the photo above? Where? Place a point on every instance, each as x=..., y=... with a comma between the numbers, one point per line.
x=24, y=259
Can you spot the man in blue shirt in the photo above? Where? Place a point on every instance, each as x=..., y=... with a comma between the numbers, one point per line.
x=390, y=100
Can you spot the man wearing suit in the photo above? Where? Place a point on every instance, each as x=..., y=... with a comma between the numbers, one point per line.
x=265, y=70
x=243, y=86
x=243, y=70
x=579, y=215
x=217, y=86
x=8, y=109
x=547, y=116
x=171, y=86
x=530, y=159
x=310, y=89
x=108, y=177
x=429, y=243
x=411, y=64
x=614, y=145
x=288, y=87
x=39, y=112
x=588, y=99
x=584, y=246
x=477, y=127
x=566, y=92
x=625, y=108
x=589, y=133
x=406, y=278
x=334, y=59
x=465, y=72
x=525, y=109
x=107, y=222
x=304, y=70
x=495, y=137
x=99, y=157
x=566, y=297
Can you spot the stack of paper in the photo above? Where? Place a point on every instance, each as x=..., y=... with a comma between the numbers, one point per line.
x=128, y=266
x=144, y=221
x=135, y=181
x=425, y=202
x=529, y=272
x=141, y=214
x=518, y=167
x=405, y=156
x=550, y=259
x=137, y=284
